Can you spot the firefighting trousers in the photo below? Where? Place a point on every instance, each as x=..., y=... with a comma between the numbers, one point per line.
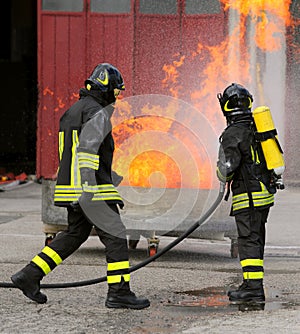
x=251, y=227
x=113, y=236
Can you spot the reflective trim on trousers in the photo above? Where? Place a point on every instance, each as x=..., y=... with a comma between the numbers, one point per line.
x=117, y=278
x=253, y=275
x=252, y=262
x=41, y=263
x=117, y=265
x=114, y=272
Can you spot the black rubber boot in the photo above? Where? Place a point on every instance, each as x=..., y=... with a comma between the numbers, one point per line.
x=250, y=291
x=129, y=300
x=120, y=296
x=28, y=280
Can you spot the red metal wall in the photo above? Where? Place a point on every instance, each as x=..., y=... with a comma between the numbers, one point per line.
x=61, y=68
x=164, y=38
x=70, y=44
x=139, y=41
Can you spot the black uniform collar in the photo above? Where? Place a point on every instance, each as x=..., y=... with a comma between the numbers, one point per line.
x=100, y=97
x=244, y=120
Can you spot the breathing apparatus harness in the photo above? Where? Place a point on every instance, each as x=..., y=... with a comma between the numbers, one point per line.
x=190, y=230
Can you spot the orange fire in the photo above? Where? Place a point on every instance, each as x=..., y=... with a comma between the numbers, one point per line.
x=270, y=18
x=224, y=63
x=154, y=150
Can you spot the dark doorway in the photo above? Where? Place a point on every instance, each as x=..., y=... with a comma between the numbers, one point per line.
x=18, y=86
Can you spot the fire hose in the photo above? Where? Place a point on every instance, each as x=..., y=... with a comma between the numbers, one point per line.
x=203, y=219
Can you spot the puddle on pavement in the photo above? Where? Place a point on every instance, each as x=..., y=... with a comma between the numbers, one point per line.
x=214, y=299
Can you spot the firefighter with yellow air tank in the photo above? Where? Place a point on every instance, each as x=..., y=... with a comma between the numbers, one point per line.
x=250, y=160
x=85, y=187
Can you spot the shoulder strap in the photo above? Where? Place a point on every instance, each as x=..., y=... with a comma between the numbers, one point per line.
x=247, y=186
x=268, y=135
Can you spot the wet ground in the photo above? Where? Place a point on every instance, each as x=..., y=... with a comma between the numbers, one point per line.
x=187, y=286
x=214, y=299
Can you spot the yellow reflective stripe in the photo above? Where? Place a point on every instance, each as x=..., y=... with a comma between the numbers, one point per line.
x=88, y=164
x=257, y=158
x=88, y=156
x=99, y=188
x=65, y=193
x=252, y=262
x=65, y=198
x=256, y=203
x=222, y=177
x=90, y=189
x=118, y=278
x=74, y=169
x=65, y=188
x=126, y=277
x=240, y=197
x=226, y=107
x=117, y=265
x=250, y=103
x=264, y=201
x=42, y=264
x=52, y=254
x=263, y=193
x=253, y=275
x=263, y=187
x=61, y=143
x=106, y=198
x=240, y=206
x=104, y=186
x=103, y=192
x=254, y=155
x=261, y=198
x=255, y=195
x=88, y=160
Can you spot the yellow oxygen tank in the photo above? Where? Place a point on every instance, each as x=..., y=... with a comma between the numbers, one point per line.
x=267, y=135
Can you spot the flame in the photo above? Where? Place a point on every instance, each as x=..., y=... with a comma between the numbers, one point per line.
x=47, y=90
x=269, y=17
x=146, y=170
x=162, y=151
x=172, y=75
x=61, y=105
x=227, y=62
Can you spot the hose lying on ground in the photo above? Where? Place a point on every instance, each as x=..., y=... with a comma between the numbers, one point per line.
x=190, y=230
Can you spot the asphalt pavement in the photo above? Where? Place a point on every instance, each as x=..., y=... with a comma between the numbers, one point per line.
x=187, y=286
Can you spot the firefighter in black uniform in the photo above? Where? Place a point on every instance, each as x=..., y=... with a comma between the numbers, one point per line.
x=241, y=163
x=85, y=187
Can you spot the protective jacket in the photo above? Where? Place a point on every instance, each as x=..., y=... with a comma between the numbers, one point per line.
x=85, y=160
x=242, y=163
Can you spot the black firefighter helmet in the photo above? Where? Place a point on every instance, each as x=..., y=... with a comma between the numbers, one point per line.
x=106, y=77
x=235, y=100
